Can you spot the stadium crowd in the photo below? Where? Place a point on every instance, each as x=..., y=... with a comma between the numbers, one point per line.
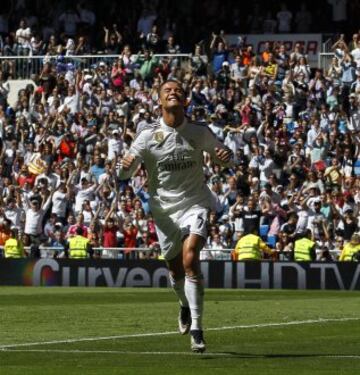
x=294, y=131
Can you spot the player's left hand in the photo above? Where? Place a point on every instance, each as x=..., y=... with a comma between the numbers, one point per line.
x=223, y=154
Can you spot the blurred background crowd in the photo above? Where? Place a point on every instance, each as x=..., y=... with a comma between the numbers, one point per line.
x=51, y=24
x=294, y=130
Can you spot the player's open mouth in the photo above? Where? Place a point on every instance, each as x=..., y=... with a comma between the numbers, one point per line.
x=173, y=99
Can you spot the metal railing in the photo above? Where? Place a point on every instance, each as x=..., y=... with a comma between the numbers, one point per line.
x=120, y=252
x=326, y=46
x=25, y=67
x=325, y=60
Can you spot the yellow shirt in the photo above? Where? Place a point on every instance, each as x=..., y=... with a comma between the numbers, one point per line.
x=14, y=248
x=78, y=247
x=302, y=249
x=333, y=174
x=348, y=251
x=271, y=70
x=250, y=247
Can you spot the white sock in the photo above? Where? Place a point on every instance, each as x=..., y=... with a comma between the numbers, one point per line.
x=194, y=291
x=178, y=288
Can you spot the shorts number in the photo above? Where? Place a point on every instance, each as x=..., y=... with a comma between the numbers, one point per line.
x=201, y=221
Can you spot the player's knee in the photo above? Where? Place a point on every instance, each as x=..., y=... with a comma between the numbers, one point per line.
x=177, y=275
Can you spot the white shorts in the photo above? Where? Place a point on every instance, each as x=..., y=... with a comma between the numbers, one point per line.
x=171, y=230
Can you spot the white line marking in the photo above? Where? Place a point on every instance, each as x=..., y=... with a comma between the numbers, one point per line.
x=155, y=334
x=212, y=354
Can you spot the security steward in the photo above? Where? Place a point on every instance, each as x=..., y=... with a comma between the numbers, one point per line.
x=351, y=249
x=304, y=248
x=251, y=247
x=79, y=246
x=13, y=247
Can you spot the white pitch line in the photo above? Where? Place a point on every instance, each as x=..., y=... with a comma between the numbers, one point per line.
x=155, y=334
x=212, y=354
x=75, y=351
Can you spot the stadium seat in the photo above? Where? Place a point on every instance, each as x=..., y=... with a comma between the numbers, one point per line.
x=264, y=229
x=357, y=167
x=271, y=241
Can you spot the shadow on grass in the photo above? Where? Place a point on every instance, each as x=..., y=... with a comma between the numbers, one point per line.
x=238, y=355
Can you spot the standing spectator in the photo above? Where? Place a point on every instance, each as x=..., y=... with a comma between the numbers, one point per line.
x=23, y=37
x=198, y=61
x=284, y=17
x=147, y=64
x=219, y=52
x=238, y=74
x=303, y=19
x=113, y=41
x=146, y=21
x=34, y=214
x=339, y=13
x=153, y=39
x=69, y=20
x=269, y=26
x=72, y=230
x=355, y=53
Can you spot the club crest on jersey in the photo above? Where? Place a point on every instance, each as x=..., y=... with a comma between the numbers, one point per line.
x=159, y=136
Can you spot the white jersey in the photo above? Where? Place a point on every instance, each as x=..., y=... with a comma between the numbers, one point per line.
x=59, y=204
x=173, y=158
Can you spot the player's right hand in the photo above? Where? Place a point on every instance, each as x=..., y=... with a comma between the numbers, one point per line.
x=127, y=161
x=223, y=154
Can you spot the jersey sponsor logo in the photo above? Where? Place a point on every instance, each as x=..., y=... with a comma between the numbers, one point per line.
x=176, y=166
x=159, y=136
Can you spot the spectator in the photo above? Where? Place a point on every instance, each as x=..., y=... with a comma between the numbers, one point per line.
x=219, y=50
x=23, y=38
x=69, y=21
x=292, y=130
x=284, y=17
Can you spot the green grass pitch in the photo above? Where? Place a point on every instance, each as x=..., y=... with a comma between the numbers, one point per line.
x=107, y=331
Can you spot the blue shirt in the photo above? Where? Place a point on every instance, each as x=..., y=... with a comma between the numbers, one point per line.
x=144, y=197
x=97, y=170
x=218, y=59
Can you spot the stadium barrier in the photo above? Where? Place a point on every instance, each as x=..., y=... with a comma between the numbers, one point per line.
x=26, y=67
x=120, y=252
x=153, y=273
x=325, y=61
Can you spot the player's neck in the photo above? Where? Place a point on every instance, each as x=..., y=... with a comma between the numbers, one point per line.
x=173, y=118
